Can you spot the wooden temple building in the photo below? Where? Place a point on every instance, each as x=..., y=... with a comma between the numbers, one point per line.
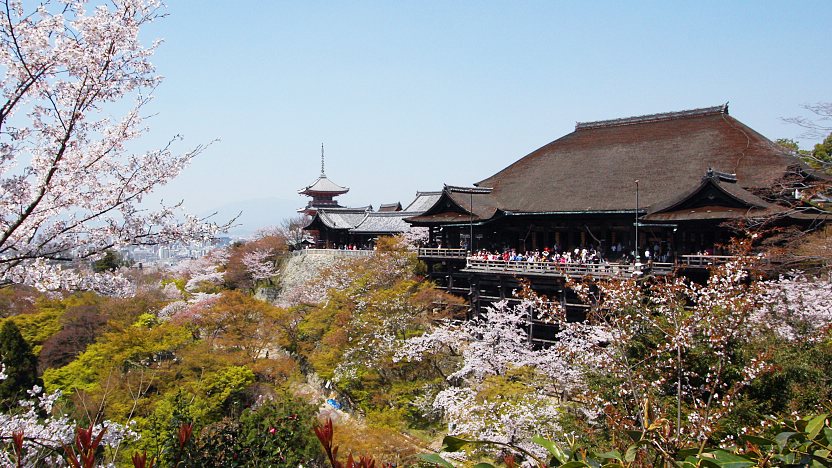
x=340, y=227
x=671, y=179
x=675, y=184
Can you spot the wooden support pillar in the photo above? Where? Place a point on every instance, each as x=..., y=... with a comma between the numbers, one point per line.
x=473, y=298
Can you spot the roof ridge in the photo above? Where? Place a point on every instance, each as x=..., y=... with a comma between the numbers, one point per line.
x=390, y=214
x=458, y=189
x=342, y=209
x=639, y=119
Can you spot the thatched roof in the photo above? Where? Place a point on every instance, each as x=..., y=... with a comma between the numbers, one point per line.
x=594, y=168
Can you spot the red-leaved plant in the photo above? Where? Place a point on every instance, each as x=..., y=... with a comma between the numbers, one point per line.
x=83, y=454
x=325, y=433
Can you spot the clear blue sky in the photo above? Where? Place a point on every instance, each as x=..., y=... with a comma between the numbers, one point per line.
x=408, y=95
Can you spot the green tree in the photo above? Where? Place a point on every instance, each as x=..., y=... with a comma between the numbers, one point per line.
x=277, y=434
x=791, y=145
x=822, y=154
x=109, y=262
x=21, y=365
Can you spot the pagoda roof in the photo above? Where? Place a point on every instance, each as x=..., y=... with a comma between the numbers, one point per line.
x=323, y=185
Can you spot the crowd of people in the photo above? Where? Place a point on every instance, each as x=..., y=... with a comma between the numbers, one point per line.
x=546, y=255
x=592, y=255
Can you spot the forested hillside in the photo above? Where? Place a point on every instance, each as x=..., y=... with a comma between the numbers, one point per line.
x=193, y=369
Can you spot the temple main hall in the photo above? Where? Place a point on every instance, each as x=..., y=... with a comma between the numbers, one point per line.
x=681, y=182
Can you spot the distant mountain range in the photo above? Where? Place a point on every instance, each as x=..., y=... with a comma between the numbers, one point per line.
x=255, y=214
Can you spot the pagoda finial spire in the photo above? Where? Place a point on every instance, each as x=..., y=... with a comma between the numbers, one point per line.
x=323, y=174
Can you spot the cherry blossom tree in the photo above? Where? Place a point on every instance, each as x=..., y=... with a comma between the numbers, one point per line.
x=797, y=307
x=260, y=264
x=500, y=388
x=663, y=357
x=70, y=187
x=417, y=236
x=40, y=441
x=291, y=230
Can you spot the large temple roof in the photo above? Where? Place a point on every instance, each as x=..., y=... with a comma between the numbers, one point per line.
x=595, y=167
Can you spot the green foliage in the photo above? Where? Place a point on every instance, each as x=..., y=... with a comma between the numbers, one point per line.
x=146, y=320
x=822, y=153
x=21, y=365
x=791, y=145
x=799, y=382
x=36, y=328
x=221, y=390
x=115, y=352
x=279, y=433
x=111, y=261
x=802, y=442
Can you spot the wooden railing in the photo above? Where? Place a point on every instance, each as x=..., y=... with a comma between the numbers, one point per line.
x=339, y=252
x=572, y=269
x=704, y=260
x=443, y=253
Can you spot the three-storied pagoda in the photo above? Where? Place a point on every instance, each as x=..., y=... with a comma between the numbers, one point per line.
x=323, y=192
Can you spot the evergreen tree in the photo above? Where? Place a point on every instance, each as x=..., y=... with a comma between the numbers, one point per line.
x=21, y=366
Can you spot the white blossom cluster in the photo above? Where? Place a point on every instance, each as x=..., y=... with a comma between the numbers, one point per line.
x=416, y=237
x=259, y=264
x=493, y=345
x=44, y=438
x=50, y=276
x=797, y=307
x=69, y=186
